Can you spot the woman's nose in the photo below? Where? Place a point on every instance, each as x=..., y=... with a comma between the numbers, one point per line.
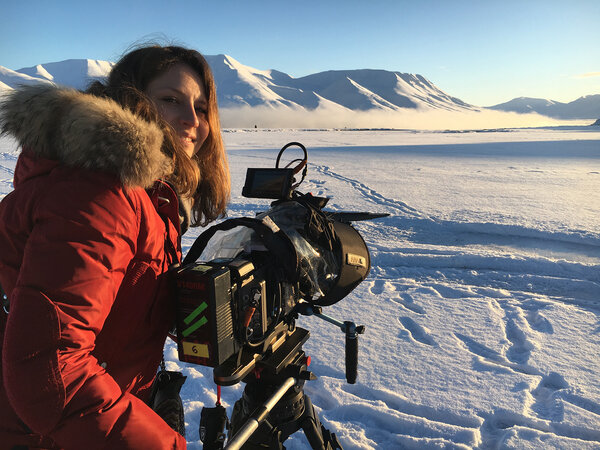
x=189, y=116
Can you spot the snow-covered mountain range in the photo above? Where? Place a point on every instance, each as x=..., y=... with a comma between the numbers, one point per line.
x=77, y=73
x=586, y=107
x=362, y=90
x=357, y=90
x=241, y=85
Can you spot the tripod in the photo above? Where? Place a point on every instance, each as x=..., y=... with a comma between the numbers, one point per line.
x=274, y=405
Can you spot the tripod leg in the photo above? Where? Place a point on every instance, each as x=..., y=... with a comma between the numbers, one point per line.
x=265, y=437
x=237, y=417
x=318, y=436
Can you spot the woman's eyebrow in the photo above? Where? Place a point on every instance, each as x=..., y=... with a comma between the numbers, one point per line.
x=202, y=99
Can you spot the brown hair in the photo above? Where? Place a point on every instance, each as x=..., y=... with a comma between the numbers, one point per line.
x=205, y=176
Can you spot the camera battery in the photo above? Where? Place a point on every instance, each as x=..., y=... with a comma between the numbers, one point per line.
x=205, y=332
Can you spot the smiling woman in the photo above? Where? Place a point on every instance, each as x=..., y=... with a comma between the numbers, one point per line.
x=106, y=183
x=176, y=79
x=180, y=97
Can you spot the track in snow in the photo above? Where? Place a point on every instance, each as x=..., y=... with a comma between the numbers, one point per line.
x=476, y=264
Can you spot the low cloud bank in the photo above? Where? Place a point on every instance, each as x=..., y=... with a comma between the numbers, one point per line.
x=328, y=117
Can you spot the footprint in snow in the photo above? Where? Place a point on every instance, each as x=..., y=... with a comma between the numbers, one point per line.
x=479, y=349
x=407, y=302
x=378, y=287
x=416, y=332
x=548, y=402
x=520, y=350
x=538, y=322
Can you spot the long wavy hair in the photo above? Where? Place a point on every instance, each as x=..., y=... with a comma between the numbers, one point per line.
x=204, y=177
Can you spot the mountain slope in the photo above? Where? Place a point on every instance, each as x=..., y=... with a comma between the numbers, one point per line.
x=10, y=79
x=587, y=107
x=77, y=73
x=241, y=85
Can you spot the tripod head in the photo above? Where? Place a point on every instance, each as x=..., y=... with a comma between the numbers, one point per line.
x=274, y=399
x=274, y=405
x=278, y=353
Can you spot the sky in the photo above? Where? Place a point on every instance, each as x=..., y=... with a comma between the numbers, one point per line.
x=483, y=52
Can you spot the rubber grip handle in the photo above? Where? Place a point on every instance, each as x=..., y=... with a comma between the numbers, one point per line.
x=351, y=353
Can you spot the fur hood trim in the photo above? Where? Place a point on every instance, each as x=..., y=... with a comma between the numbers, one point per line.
x=82, y=130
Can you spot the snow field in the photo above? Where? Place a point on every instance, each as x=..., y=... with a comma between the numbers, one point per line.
x=482, y=307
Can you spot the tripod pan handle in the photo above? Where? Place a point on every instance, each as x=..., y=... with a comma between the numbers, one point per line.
x=351, y=352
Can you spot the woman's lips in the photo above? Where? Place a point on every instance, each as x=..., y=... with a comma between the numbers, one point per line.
x=188, y=140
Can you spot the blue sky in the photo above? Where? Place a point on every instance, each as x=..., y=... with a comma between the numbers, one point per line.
x=482, y=51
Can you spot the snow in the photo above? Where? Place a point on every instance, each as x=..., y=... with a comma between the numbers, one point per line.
x=77, y=73
x=588, y=106
x=482, y=307
x=333, y=99
x=10, y=79
x=242, y=85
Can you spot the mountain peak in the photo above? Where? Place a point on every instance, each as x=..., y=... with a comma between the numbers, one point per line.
x=587, y=107
x=356, y=89
x=77, y=73
x=242, y=85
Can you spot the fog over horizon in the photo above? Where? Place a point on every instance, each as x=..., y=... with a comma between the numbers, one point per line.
x=334, y=117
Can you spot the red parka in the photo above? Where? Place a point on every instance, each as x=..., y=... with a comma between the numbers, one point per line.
x=86, y=239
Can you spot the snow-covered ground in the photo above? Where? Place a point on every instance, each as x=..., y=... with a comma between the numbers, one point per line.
x=482, y=308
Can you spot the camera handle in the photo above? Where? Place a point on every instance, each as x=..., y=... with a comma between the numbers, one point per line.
x=349, y=328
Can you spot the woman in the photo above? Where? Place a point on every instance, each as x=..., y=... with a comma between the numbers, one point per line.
x=106, y=183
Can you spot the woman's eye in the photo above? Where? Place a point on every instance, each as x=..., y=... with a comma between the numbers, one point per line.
x=201, y=111
x=169, y=99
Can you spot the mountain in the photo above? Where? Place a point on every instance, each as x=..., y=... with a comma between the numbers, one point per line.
x=9, y=79
x=77, y=73
x=587, y=107
x=241, y=85
x=360, y=90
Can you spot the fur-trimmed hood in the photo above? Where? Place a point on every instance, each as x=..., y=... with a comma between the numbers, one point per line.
x=83, y=130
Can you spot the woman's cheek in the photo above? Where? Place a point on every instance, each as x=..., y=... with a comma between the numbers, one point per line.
x=201, y=134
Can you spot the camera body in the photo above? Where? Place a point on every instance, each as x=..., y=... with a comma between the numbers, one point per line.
x=224, y=305
x=237, y=307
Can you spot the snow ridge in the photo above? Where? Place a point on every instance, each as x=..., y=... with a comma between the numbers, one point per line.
x=241, y=85
x=586, y=107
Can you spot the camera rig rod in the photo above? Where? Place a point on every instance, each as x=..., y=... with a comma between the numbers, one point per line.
x=259, y=416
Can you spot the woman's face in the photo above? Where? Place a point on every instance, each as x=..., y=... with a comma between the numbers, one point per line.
x=181, y=101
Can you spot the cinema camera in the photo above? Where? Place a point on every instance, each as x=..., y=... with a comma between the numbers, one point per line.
x=240, y=289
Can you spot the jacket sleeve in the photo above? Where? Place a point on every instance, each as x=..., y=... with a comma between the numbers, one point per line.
x=83, y=238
